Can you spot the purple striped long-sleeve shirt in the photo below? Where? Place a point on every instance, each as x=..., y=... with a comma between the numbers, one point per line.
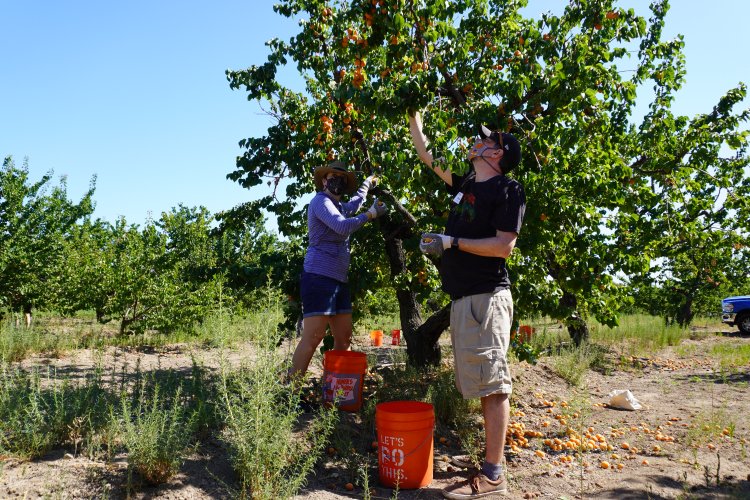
x=329, y=224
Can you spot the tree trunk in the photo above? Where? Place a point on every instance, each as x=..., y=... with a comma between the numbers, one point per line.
x=421, y=337
x=577, y=327
x=27, y=315
x=685, y=312
x=578, y=330
x=426, y=350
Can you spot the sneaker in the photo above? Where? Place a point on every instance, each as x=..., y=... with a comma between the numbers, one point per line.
x=477, y=486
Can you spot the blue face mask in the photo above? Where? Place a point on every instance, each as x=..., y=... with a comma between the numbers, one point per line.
x=336, y=185
x=479, y=149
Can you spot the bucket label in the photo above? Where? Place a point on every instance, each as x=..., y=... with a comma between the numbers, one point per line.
x=343, y=387
x=392, y=458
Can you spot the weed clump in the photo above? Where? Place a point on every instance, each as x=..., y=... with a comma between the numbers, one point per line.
x=271, y=450
x=157, y=432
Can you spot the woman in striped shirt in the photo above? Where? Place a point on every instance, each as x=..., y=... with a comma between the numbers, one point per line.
x=324, y=288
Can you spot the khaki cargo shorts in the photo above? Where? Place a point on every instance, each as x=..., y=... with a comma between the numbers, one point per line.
x=480, y=334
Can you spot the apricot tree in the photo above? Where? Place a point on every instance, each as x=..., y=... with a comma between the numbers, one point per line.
x=602, y=186
x=35, y=222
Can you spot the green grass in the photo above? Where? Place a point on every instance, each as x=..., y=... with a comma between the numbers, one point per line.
x=50, y=336
x=732, y=356
x=39, y=413
x=54, y=336
x=636, y=335
x=573, y=363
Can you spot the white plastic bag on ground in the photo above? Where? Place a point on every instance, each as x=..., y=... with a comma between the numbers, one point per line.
x=623, y=399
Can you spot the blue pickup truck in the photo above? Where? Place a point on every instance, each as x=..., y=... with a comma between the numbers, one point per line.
x=736, y=311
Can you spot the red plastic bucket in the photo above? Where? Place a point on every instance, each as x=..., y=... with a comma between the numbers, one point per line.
x=343, y=374
x=405, y=444
x=395, y=337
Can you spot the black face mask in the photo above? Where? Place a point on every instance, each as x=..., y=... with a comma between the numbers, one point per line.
x=336, y=185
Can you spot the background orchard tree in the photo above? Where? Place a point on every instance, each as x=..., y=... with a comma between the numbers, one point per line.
x=86, y=274
x=252, y=259
x=565, y=85
x=35, y=222
x=161, y=277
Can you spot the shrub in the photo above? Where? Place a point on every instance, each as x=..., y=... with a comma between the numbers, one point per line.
x=270, y=458
x=37, y=414
x=156, y=433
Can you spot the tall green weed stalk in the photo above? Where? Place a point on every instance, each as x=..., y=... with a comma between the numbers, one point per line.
x=270, y=451
x=157, y=432
x=574, y=362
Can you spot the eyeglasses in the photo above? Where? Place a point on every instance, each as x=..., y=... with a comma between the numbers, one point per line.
x=497, y=137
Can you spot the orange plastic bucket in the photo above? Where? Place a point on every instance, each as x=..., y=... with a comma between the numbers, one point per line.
x=343, y=375
x=405, y=443
x=376, y=336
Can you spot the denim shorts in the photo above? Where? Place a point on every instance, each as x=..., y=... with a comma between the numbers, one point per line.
x=324, y=296
x=480, y=334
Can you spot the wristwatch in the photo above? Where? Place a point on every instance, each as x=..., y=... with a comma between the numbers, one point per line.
x=454, y=243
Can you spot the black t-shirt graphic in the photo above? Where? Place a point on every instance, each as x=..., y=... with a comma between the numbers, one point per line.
x=497, y=204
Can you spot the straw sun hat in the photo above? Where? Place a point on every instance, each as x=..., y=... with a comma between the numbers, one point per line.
x=338, y=167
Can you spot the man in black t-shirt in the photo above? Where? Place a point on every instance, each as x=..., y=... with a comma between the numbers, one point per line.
x=484, y=222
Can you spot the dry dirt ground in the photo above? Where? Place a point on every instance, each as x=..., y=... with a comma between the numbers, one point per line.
x=675, y=445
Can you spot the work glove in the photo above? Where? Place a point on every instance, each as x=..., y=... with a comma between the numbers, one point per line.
x=377, y=209
x=371, y=181
x=434, y=244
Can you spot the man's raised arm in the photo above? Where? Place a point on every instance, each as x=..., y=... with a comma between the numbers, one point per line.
x=420, y=144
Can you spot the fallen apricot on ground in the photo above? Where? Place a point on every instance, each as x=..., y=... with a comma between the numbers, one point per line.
x=349, y=486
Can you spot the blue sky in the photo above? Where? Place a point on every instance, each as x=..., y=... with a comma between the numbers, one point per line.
x=135, y=92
